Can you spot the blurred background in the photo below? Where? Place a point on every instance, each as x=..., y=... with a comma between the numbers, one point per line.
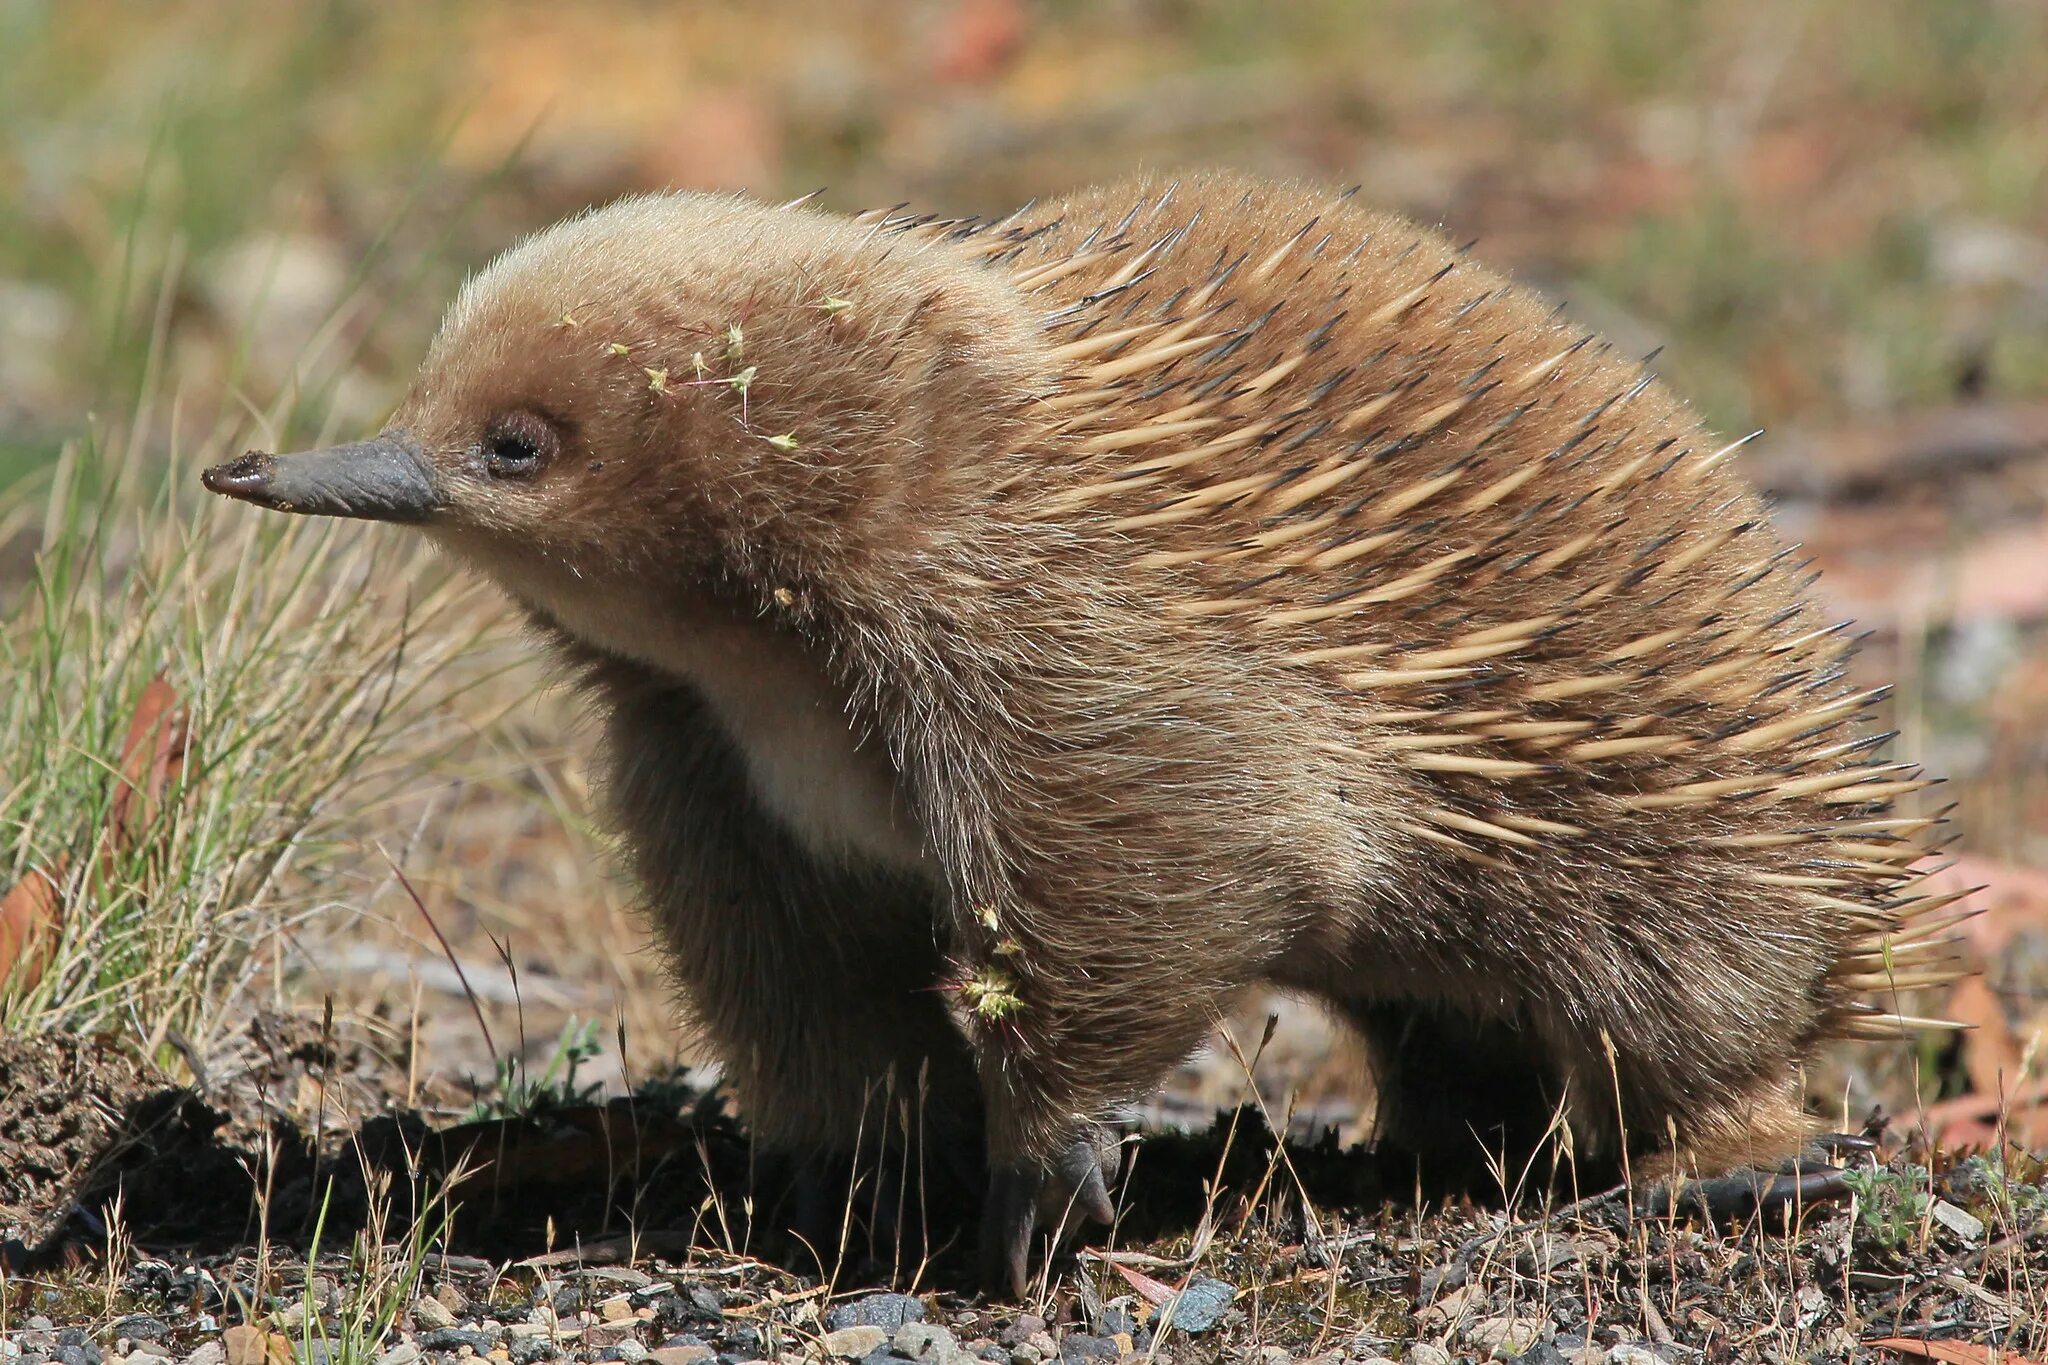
x=237, y=223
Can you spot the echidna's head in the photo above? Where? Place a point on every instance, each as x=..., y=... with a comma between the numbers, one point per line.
x=684, y=385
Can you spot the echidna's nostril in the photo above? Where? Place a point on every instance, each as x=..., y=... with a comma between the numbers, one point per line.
x=247, y=476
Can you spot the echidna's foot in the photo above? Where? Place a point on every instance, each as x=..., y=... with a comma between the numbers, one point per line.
x=1022, y=1200
x=1795, y=1184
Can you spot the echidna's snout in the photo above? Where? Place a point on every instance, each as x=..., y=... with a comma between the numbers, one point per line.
x=384, y=479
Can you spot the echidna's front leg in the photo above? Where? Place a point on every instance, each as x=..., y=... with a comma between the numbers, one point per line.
x=813, y=982
x=1068, y=1031
x=1029, y=1197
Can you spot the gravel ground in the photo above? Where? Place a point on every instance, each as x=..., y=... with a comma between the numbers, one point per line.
x=1504, y=1290
x=595, y=1235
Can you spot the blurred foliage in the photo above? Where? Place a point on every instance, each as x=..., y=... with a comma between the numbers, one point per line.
x=1821, y=207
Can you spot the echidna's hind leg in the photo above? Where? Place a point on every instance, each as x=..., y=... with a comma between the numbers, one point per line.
x=1455, y=1094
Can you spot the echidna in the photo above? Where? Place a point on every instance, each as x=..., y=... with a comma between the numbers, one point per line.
x=1103, y=611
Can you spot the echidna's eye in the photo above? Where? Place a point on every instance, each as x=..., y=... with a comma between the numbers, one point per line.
x=519, y=445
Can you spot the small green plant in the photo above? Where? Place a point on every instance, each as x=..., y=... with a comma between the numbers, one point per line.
x=383, y=1275
x=1891, y=1205
x=515, y=1093
x=2011, y=1197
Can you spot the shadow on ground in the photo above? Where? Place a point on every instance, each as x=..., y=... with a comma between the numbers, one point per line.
x=91, y=1138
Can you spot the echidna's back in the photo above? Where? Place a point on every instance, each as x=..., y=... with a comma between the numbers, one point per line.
x=1556, y=611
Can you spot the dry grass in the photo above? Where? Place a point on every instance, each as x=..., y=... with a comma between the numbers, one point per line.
x=299, y=669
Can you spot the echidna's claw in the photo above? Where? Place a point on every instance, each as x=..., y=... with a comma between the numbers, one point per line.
x=1008, y=1218
x=1022, y=1200
x=1727, y=1198
x=1844, y=1144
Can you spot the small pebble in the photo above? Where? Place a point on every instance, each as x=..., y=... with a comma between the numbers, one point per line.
x=1076, y=1347
x=140, y=1327
x=1426, y=1353
x=1505, y=1338
x=691, y=1353
x=1201, y=1305
x=1961, y=1222
x=208, y=1353
x=1628, y=1353
x=886, y=1311
x=454, y=1339
x=248, y=1345
x=1022, y=1326
x=431, y=1314
x=926, y=1342
x=602, y=1334
x=851, y=1343
x=529, y=1350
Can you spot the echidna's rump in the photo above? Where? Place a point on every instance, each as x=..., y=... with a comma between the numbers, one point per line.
x=1172, y=589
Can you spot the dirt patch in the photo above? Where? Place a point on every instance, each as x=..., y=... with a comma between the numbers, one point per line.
x=89, y=1134
x=64, y=1103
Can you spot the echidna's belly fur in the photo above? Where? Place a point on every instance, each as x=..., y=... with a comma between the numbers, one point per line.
x=808, y=764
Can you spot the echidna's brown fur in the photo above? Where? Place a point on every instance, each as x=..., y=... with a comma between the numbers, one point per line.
x=1231, y=585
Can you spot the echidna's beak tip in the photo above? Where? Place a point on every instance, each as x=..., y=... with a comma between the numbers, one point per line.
x=386, y=478
x=247, y=477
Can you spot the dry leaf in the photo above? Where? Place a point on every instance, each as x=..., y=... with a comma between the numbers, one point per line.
x=2012, y=899
x=1975, y=1121
x=977, y=39
x=152, y=757
x=1951, y=1352
x=1991, y=1053
x=31, y=916
x=1149, y=1289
